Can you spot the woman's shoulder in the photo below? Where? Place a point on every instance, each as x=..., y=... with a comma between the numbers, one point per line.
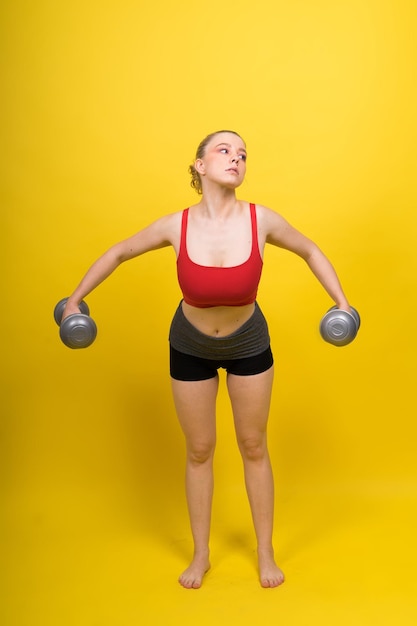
x=267, y=215
x=166, y=227
x=170, y=219
x=272, y=226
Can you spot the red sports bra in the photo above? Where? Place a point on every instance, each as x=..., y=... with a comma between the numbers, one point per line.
x=207, y=286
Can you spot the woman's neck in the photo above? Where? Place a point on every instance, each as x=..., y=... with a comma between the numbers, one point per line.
x=218, y=203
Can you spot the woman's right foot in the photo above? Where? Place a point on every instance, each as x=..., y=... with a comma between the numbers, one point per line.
x=192, y=577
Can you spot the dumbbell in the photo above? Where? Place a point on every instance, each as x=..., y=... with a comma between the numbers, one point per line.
x=78, y=330
x=340, y=327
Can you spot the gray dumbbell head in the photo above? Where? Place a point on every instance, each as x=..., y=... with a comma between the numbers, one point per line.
x=78, y=331
x=356, y=316
x=339, y=327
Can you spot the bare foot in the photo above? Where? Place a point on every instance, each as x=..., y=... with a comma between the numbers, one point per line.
x=269, y=573
x=194, y=574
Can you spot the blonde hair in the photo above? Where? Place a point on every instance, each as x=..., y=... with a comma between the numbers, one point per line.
x=201, y=150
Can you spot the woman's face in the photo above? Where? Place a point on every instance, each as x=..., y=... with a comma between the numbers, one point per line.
x=224, y=160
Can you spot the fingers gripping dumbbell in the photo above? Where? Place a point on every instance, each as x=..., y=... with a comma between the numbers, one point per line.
x=78, y=330
x=340, y=327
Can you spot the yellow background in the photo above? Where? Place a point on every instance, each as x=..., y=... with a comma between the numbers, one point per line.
x=103, y=105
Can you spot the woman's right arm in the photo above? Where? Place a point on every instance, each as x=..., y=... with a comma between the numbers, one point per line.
x=157, y=235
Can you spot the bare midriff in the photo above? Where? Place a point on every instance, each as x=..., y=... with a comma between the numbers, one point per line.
x=218, y=321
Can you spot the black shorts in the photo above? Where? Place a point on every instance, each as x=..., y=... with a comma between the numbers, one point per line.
x=192, y=368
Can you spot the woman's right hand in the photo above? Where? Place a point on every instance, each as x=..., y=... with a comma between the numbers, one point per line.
x=71, y=308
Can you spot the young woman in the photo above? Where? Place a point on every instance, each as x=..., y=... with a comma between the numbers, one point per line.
x=219, y=244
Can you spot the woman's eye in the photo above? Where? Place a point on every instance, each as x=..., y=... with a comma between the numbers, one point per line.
x=242, y=157
x=224, y=150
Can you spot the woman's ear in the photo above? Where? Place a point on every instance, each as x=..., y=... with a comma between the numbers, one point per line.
x=199, y=167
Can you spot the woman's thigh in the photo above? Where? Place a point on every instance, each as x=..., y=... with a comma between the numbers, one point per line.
x=250, y=397
x=195, y=404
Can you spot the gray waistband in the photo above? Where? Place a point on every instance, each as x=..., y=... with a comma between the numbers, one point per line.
x=248, y=340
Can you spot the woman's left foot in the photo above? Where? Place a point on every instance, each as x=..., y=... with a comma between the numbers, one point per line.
x=269, y=573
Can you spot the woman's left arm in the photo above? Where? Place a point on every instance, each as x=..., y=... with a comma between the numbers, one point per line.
x=279, y=232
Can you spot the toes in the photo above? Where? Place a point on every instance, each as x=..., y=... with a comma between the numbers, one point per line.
x=187, y=583
x=272, y=582
x=190, y=583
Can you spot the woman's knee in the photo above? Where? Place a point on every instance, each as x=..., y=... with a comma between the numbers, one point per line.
x=253, y=447
x=200, y=452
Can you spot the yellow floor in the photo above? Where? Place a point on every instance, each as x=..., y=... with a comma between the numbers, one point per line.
x=94, y=529
x=73, y=558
